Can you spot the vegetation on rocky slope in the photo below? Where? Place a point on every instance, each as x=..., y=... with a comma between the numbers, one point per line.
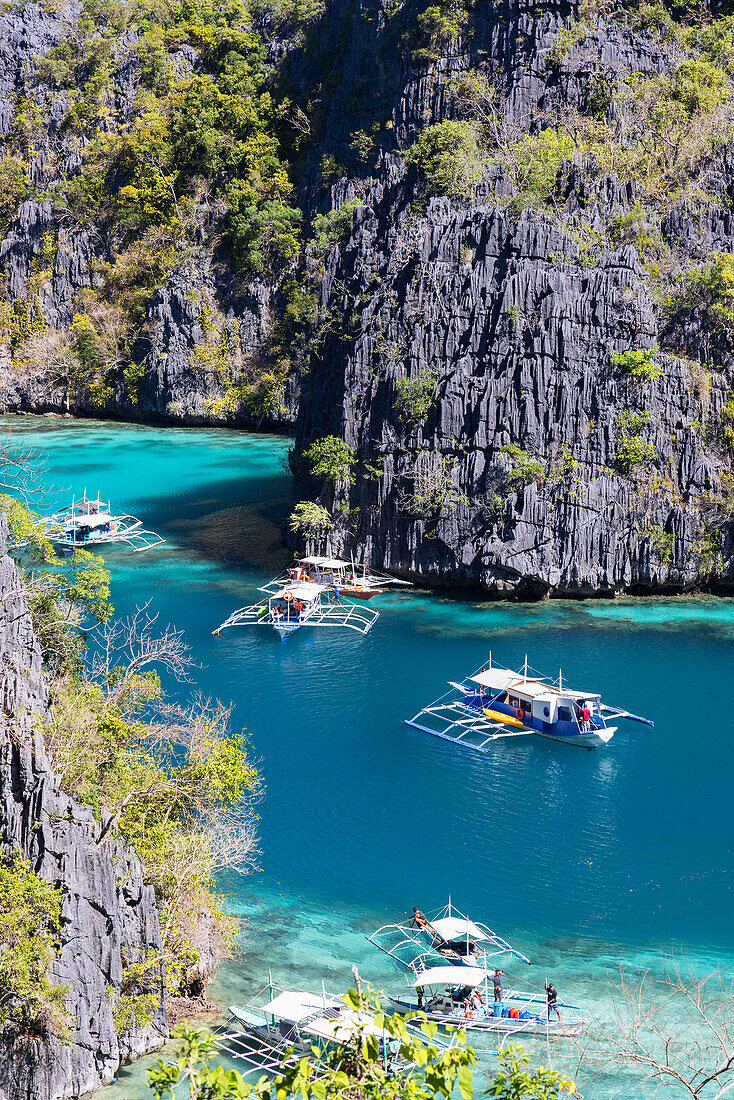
x=174, y=781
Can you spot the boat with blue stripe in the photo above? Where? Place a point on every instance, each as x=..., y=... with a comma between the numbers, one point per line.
x=496, y=702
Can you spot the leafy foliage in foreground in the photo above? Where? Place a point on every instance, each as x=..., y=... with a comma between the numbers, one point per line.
x=355, y=1069
x=174, y=781
x=30, y=913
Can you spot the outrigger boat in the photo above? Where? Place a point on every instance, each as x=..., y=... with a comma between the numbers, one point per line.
x=445, y=936
x=277, y=1027
x=302, y=604
x=463, y=996
x=358, y=582
x=87, y=524
x=496, y=703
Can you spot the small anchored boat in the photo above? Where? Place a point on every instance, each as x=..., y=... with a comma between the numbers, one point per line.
x=87, y=524
x=302, y=603
x=463, y=996
x=277, y=1027
x=496, y=703
x=445, y=936
x=355, y=581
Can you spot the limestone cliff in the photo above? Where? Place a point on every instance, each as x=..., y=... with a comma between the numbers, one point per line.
x=109, y=917
x=541, y=459
x=518, y=477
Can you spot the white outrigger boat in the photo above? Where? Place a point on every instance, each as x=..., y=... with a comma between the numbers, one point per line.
x=444, y=936
x=87, y=524
x=496, y=703
x=358, y=582
x=463, y=996
x=302, y=604
x=277, y=1027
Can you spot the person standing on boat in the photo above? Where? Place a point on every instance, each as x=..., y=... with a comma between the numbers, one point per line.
x=497, y=983
x=585, y=716
x=552, y=997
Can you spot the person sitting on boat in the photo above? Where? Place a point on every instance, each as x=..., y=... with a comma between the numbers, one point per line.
x=552, y=997
x=585, y=716
x=497, y=983
x=472, y=1003
x=419, y=919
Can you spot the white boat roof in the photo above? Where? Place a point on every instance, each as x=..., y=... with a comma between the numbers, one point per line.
x=325, y=563
x=294, y=1005
x=458, y=928
x=498, y=678
x=95, y=519
x=471, y=976
x=503, y=679
x=301, y=590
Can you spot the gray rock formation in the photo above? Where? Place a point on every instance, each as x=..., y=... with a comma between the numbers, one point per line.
x=516, y=311
x=109, y=917
x=517, y=319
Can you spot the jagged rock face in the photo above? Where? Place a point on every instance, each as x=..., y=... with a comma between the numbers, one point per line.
x=109, y=917
x=518, y=327
x=519, y=335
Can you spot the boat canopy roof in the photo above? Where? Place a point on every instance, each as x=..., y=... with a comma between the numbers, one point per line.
x=301, y=590
x=498, y=678
x=471, y=976
x=503, y=679
x=294, y=1005
x=457, y=928
x=93, y=519
x=325, y=563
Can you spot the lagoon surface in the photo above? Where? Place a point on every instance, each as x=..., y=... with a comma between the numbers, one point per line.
x=584, y=860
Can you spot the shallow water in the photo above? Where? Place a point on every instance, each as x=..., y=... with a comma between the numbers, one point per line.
x=581, y=858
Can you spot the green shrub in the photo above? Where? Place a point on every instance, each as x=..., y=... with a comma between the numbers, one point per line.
x=566, y=39
x=331, y=459
x=632, y=449
x=700, y=86
x=414, y=396
x=30, y=914
x=662, y=542
x=524, y=469
x=449, y=158
x=639, y=362
x=706, y=551
x=86, y=342
x=535, y=161
x=440, y=24
x=13, y=190
x=727, y=421
x=330, y=228
x=712, y=287
x=310, y=518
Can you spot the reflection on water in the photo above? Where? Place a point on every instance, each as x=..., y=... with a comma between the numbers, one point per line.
x=581, y=857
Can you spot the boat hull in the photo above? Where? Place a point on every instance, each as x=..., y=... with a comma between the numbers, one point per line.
x=284, y=631
x=502, y=1025
x=594, y=739
x=567, y=733
x=359, y=593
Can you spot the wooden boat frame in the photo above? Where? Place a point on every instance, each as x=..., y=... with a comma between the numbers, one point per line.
x=401, y=940
x=482, y=1017
x=102, y=526
x=322, y=609
x=334, y=572
x=451, y=719
x=269, y=1041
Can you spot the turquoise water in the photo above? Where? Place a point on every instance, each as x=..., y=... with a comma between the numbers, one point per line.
x=582, y=859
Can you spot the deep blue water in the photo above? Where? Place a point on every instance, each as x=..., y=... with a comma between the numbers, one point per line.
x=581, y=858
